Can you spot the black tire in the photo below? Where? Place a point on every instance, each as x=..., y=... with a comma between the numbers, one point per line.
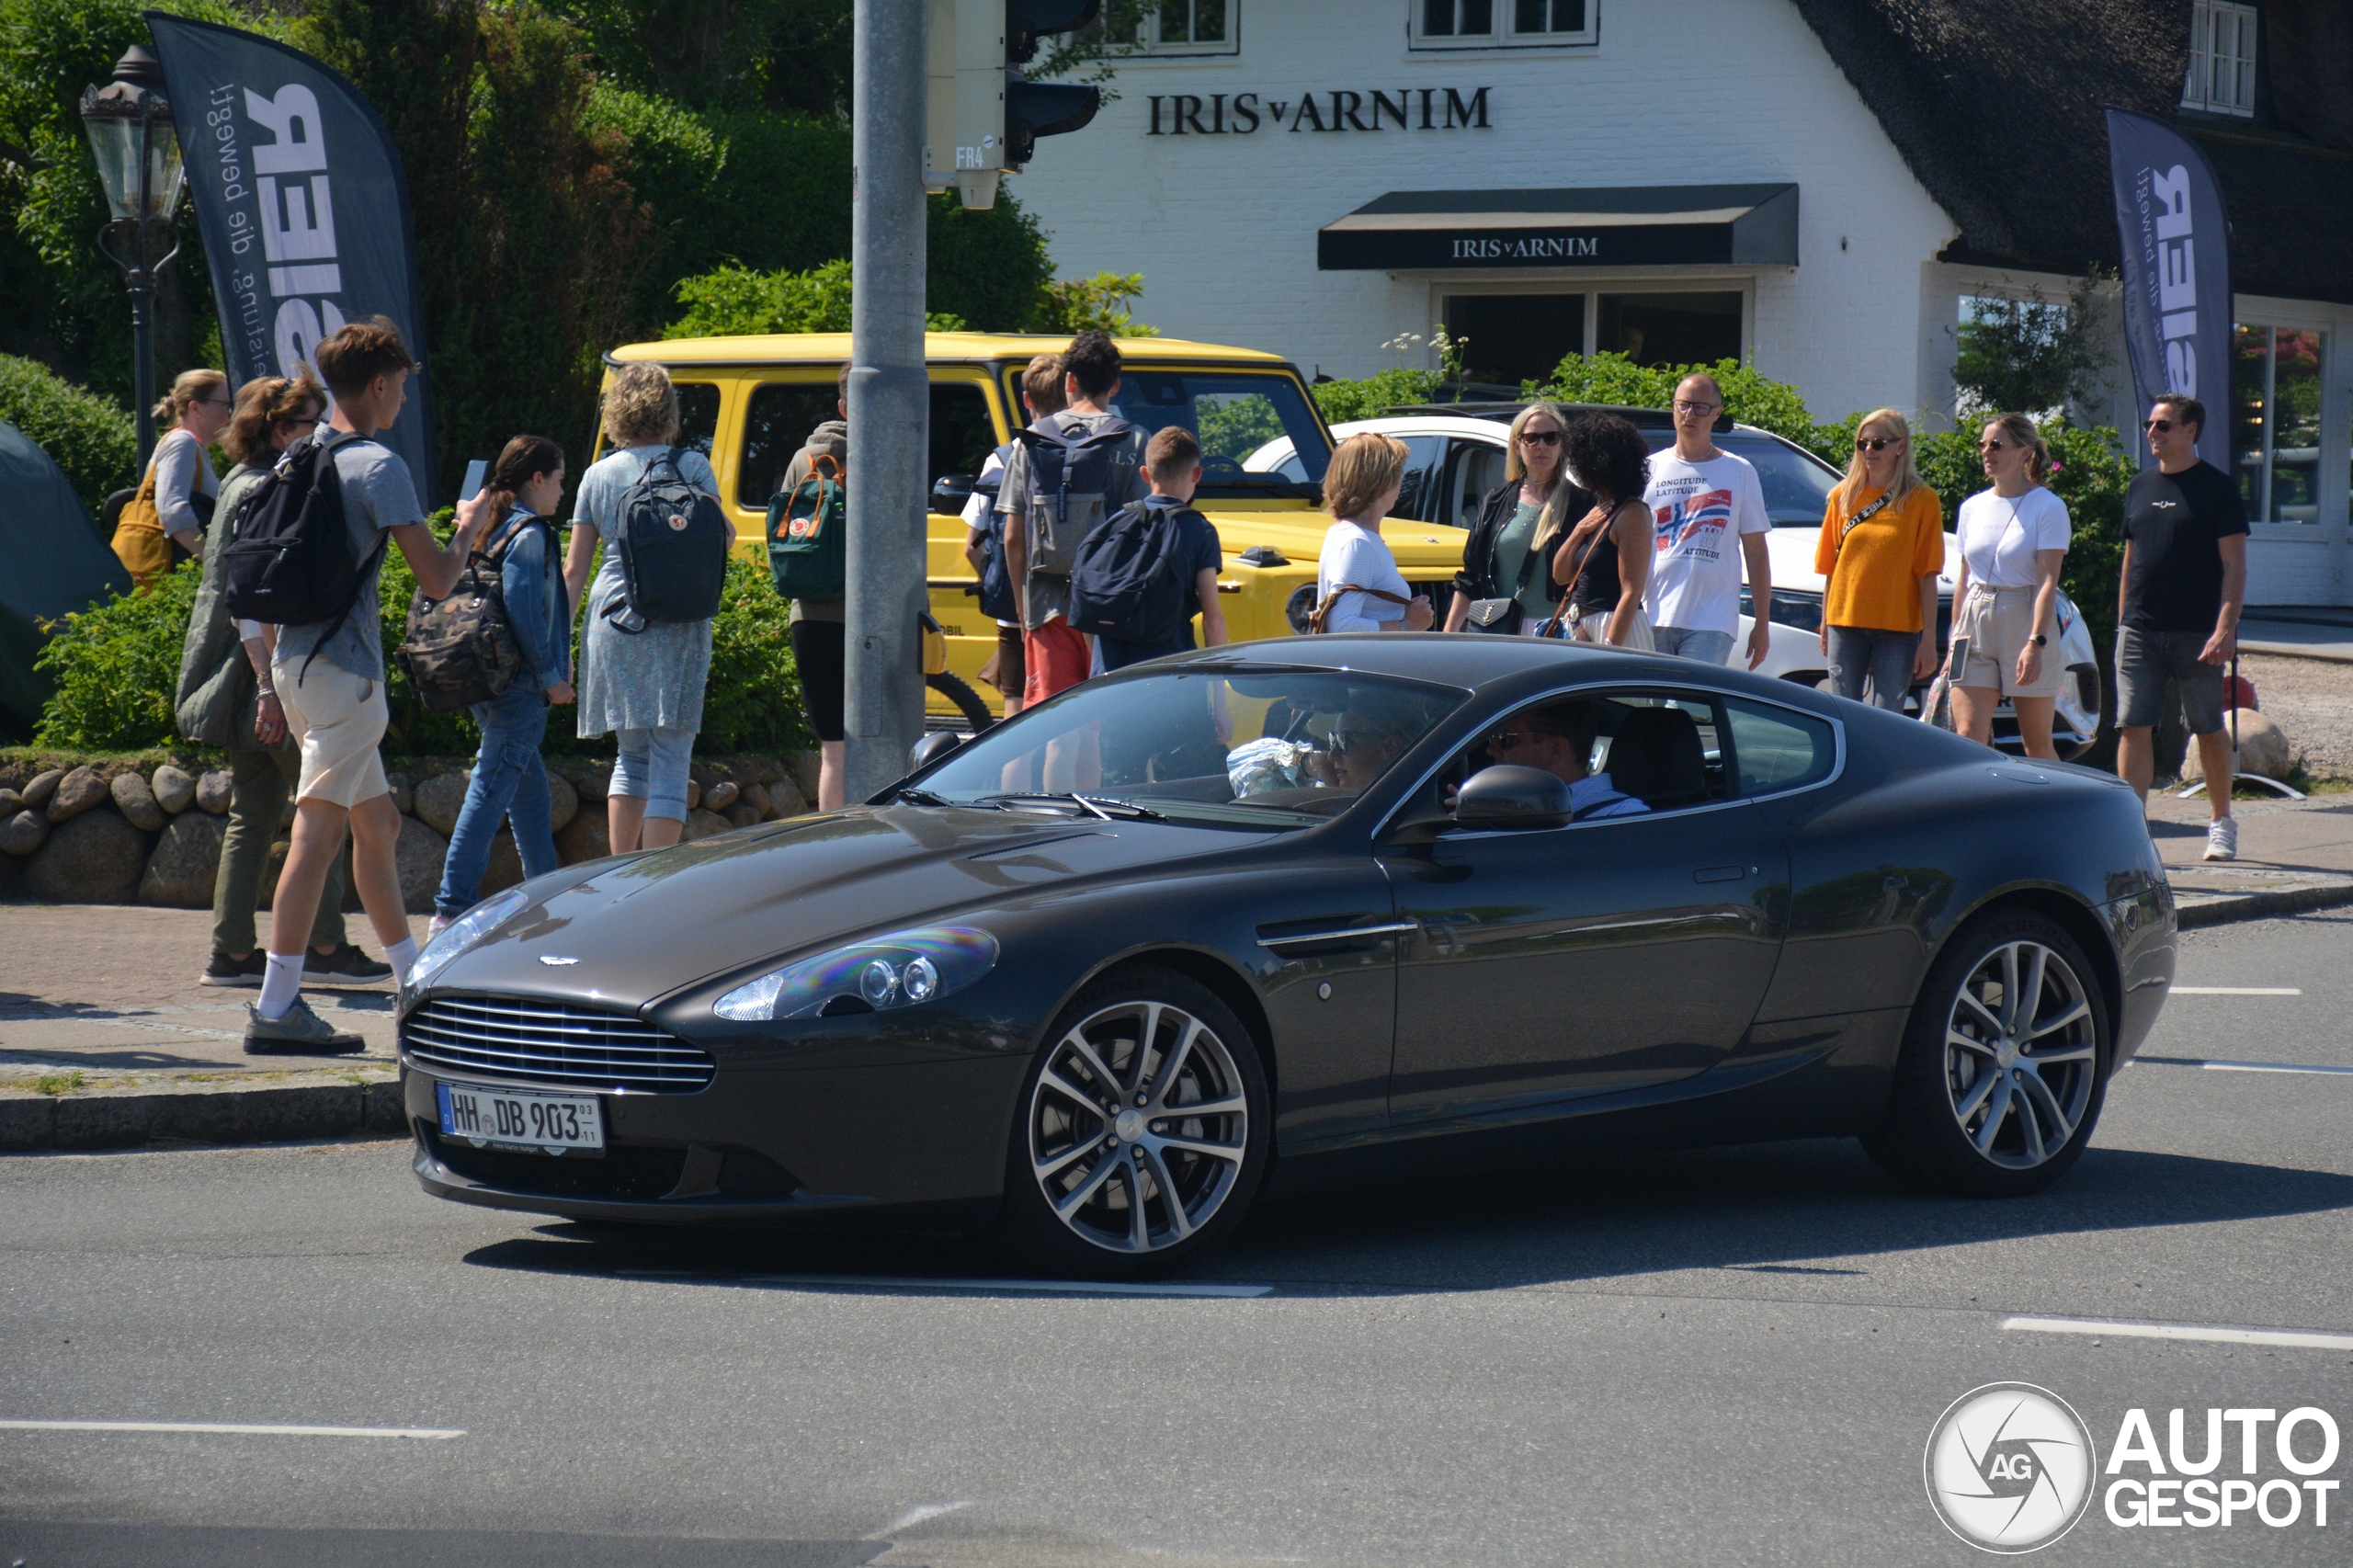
x=976, y=712
x=1085, y=1128
x=1964, y=1066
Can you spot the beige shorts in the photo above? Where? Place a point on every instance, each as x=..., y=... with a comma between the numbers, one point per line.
x=1997, y=621
x=338, y=718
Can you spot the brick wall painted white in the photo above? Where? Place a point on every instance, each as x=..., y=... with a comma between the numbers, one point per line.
x=1678, y=92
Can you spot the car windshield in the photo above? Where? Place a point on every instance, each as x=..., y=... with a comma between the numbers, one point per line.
x=1265, y=746
x=1233, y=412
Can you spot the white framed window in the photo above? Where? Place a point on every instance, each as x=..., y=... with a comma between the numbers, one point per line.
x=1503, y=24
x=1188, y=27
x=2221, y=58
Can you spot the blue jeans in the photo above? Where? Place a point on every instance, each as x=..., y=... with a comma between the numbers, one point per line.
x=510, y=782
x=652, y=767
x=1885, y=656
x=1682, y=643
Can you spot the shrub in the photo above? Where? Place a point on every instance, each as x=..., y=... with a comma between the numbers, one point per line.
x=117, y=667
x=734, y=300
x=1098, y=303
x=92, y=439
x=1374, y=396
x=752, y=706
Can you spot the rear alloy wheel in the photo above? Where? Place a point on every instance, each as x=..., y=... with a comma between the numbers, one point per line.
x=1143, y=1131
x=2004, y=1066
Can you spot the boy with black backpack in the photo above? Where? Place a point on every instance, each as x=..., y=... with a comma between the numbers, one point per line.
x=1065, y=475
x=1151, y=568
x=304, y=559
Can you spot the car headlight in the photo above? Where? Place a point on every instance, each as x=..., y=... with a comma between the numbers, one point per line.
x=464, y=933
x=905, y=969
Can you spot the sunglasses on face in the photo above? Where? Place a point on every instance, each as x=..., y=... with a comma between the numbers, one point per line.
x=2161, y=427
x=1540, y=438
x=1345, y=743
x=1992, y=446
x=1875, y=443
x=1504, y=740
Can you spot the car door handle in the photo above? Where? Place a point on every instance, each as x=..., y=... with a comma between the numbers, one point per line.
x=1719, y=874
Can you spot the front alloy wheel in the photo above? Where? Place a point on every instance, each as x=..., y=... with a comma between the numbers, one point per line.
x=2003, y=1064
x=1143, y=1129
x=2020, y=1054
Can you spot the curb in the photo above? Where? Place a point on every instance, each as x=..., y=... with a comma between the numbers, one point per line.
x=2223, y=909
x=206, y=1114
x=2323, y=651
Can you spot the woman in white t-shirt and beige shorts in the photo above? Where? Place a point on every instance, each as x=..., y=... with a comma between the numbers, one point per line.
x=2012, y=539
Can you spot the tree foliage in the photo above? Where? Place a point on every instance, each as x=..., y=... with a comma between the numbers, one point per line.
x=734, y=300
x=2034, y=355
x=1096, y=303
x=116, y=667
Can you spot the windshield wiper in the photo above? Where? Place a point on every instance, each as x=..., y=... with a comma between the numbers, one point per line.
x=918, y=797
x=1101, y=806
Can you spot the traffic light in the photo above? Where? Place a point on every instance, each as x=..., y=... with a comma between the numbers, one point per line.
x=983, y=117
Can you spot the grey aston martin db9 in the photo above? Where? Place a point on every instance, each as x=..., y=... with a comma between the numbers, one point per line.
x=1312, y=910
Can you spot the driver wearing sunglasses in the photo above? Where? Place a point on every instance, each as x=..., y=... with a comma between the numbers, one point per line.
x=1559, y=738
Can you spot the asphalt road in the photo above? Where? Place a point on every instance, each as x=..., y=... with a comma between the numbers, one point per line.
x=1729, y=1357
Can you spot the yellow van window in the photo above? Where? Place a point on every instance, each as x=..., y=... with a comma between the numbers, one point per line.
x=962, y=434
x=774, y=426
x=698, y=415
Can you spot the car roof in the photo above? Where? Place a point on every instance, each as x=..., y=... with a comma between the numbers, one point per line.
x=834, y=347
x=1504, y=413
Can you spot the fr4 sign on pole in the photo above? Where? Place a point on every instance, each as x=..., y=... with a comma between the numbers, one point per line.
x=983, y=117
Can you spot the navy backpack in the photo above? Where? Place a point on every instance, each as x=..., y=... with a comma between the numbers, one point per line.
x=1128, y=582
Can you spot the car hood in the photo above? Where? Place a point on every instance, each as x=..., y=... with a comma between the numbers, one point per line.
x=1298, y=532
x=643, y=925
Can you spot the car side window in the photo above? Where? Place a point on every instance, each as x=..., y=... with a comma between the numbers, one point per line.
x=1418, y=498
x=963, y=433
x=1778, y=748
x=698, y=415
x=1664, y=749
x=1477, y=467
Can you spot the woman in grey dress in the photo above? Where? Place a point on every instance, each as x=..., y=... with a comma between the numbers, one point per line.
x=641, y=682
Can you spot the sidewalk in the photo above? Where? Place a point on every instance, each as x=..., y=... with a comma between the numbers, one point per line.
x=107, y=1041
x=2292, y=855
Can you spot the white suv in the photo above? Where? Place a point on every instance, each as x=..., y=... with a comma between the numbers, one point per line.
x=1455, y=454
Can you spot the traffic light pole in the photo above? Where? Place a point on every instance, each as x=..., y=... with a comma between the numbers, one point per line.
x=890, y=401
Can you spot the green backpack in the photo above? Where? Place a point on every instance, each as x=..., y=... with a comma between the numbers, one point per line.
x=807, y=530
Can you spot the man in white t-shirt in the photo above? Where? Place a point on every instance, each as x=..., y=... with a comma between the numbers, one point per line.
x=1701, y=499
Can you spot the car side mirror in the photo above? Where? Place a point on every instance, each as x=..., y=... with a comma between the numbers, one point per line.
x=931, y=748
x=1505, y=798
x=950, y=492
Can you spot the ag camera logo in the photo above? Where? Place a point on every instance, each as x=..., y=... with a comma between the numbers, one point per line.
x=2009, y=1468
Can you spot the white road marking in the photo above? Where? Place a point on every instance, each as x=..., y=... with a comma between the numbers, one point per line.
x=919, y=1513
x=234, y=1428
x=1073, y=1287
x=2302, y=1338
x=2236, y=991
x=2268, y=1067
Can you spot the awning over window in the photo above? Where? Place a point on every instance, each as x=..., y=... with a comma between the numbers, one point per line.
x=1641, y=225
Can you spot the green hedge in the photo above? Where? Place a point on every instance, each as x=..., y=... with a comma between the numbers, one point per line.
x=117, y=667
x=91, y=438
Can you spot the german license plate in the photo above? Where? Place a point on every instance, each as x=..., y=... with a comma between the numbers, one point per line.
x=519, y=1119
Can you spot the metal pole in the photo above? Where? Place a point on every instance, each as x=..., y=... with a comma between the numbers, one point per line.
x=890, y=401
x=140, y=283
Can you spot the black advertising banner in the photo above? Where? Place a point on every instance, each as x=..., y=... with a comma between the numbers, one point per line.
x=304, y=207
x=2177, y=244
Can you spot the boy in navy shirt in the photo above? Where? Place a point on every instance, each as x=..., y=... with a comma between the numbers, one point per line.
x=1173, y=463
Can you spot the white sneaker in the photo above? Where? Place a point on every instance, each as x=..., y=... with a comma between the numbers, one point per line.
x=2223, y=839
x=438, y=924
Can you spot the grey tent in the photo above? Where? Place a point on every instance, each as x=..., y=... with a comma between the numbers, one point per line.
x=56, y=564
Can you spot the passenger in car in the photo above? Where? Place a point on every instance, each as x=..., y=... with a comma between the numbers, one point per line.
x=1559, y=738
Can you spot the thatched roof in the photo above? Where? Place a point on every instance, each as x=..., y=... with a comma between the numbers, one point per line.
x=1995, y=107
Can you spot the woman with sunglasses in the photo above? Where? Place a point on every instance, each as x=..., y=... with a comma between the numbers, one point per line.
x=1507, y=562
x=164, y=524
x=2012, y=538
x=1882, y=545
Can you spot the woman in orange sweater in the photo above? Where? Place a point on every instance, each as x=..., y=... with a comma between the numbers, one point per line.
x=1882, y=545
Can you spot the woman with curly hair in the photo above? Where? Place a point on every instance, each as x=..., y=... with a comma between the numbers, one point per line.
x=643, y=683
x=1607, y=562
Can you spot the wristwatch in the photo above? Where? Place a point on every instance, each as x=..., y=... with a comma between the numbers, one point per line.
x=2039, y=640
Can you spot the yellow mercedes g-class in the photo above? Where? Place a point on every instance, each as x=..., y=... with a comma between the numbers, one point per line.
x=750, y=401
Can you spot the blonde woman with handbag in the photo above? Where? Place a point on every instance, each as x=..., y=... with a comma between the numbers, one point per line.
x=1882, y=546
x=164, y=523
x=1505, y=585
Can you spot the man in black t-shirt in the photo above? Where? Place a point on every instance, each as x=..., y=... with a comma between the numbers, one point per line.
x=2184, y=582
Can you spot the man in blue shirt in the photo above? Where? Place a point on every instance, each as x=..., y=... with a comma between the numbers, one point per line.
x=1559, y=738
x=1173, y=463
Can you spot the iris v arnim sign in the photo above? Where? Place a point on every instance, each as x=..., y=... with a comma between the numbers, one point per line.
x=1333, y=109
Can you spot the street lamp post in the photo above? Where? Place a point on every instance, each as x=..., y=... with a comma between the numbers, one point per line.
x=129, y=125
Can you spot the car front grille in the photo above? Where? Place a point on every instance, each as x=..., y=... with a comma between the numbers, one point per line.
x=553, y=1043
x=621, y=1175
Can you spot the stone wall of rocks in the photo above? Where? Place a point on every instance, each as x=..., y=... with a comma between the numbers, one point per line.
x=148, y=832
